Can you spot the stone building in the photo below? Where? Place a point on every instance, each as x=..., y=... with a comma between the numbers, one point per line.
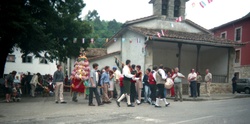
x=238, y=31
x=159, y=39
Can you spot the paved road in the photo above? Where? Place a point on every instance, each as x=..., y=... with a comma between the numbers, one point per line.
x=45, y=111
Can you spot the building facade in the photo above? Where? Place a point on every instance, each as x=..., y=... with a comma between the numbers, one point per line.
x=30, y=63
x=161, y=39
x=238, y=31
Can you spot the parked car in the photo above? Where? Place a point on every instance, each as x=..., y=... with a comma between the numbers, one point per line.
x=243, y=85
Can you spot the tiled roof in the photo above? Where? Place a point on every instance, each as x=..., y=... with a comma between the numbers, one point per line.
x=191, y=37
x=197, y=26
x=103, y=56
x=140, y=20
x=93, y=52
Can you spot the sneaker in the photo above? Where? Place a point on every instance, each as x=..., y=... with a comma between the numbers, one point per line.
x=131, y=105
x=63, y=102
x=138, y=102
x=157, y=106
x=118, y=103
x=167, y=104
x=56, y=101
x=100, y=104
x=91, y=104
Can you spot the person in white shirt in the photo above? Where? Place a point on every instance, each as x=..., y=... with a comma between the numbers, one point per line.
x=127, y=82
x=177, y=77
x=192, y=78
x=160, y=81
x=117, y=75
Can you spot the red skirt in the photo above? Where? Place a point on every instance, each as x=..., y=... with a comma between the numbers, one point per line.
x=77, y=86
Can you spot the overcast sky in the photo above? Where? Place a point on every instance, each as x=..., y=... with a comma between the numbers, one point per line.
x=214, y=14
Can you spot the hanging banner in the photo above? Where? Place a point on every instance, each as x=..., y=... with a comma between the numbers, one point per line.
x=123, y=39
x=162, y=33
x=75, y=40
x=92, y=40
x=158, y=34
x=83, y=40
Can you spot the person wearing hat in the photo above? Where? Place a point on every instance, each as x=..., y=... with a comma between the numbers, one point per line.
x=117, y=75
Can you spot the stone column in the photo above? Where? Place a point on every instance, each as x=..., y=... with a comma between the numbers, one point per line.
x=179, y=55
x=230, y=67
x=198, y=57
x=149, y=55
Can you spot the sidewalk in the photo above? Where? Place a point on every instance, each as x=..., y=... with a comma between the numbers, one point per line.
x=213, y=97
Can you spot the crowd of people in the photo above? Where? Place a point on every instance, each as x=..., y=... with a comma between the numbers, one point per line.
x=118, y=82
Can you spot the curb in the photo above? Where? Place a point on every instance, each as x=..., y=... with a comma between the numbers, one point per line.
x=213, y=98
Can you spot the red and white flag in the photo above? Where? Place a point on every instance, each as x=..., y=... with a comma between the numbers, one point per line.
x=209, y=1
x=162, y=33
x=158, y=34
x=138, y=40
x=179, y=19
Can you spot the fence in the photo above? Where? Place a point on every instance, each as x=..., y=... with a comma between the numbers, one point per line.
x=218, y=78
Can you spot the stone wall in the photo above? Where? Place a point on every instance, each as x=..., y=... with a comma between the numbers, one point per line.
x=244, y=71
x=216, y=88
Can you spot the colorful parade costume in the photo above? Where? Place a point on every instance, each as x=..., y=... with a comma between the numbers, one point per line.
x=80, y=74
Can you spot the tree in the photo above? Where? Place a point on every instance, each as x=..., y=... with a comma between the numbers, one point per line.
x=101, y=29
x=36, y=26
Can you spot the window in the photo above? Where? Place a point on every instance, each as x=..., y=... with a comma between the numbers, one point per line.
x=164, y=10
x=11, y=58
x=224, y=35
x=27, y=59
x=238, y=34
x=177, y=4
x=43, y=60
x=237, y=56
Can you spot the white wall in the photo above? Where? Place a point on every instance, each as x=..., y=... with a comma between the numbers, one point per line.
x=107, y=61
x=165, y=53
x=33, y=67
x=134, y=51
x=115, y=46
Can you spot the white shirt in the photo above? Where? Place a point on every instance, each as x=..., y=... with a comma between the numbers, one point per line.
x=117, y=74
x=192, y=75
x=126, y=72
x=163, y=74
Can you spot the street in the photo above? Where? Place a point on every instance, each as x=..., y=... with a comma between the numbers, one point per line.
x=43, y=110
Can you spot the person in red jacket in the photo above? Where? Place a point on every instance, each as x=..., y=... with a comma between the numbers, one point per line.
x=152, y=85
x=172, y=88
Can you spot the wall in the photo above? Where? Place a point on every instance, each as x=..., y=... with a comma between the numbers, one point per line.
x=157, y=8
x=114, y=47
x=230, y=29
x=165, y=53
x=107, y=61
x=33, y=67
x=166, y=25
x=135, y=51
x=215, y=59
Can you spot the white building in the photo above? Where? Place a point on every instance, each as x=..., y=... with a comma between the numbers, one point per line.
x=30, y=63
x=182, y=44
